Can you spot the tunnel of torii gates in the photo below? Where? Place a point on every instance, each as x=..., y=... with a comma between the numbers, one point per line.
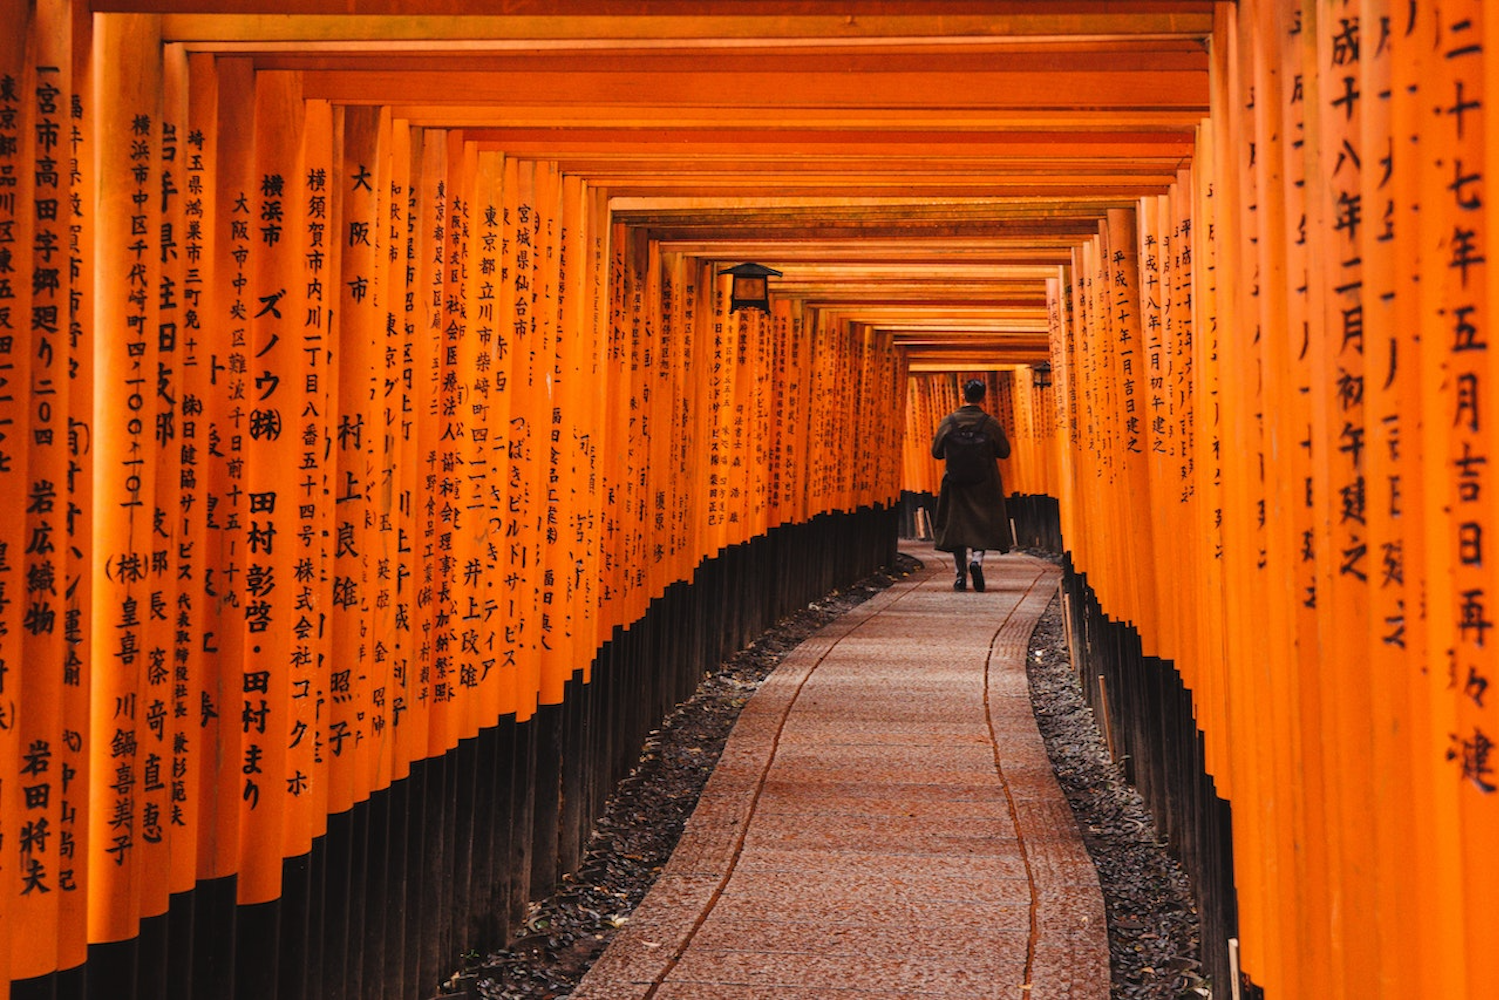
x=380, y=460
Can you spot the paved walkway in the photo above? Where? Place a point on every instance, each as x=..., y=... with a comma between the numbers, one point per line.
x=883, y=823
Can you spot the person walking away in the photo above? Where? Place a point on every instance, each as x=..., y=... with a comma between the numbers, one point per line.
x=971, y=518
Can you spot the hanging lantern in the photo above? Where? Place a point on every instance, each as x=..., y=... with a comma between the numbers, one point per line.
x=750, y=290
x=1041, y=375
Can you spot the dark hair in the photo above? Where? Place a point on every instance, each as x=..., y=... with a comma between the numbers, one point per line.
x=973, y=390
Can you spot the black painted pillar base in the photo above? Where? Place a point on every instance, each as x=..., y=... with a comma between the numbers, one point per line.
x=445, y=860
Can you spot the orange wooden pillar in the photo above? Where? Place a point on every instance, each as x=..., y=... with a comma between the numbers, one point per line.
x=1132, y=380
x=611, y=474
x=1154, y=362
x=575, y=435
x=1182, y=390
x=121, y=844
x=1478, y=663
x=399, y=490
x=1082, y=422
x=596, y=320
x=652, y=409
x=548, y=417
x=692, y=282
x=737, y=464
x=1337, y=383
x=175, y=602
x=779, y=431
x=1255, y=860
x=1288, y=686
x=14, y=369
x=1104, y=423
x=425, y=164
x=1065, y=365
x=262, y=409
x=72, y=837
x=464, y=524
x=492, y=391
x=1207, y=451
x=226, y=118
x=1391, y=398
x=800, y=404
x=1456, y=448
x=634, y=438
x=45, y=426
x=359, y=186
x=31, y=698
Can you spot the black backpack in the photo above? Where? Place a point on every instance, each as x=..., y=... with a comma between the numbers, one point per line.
x=969, y=452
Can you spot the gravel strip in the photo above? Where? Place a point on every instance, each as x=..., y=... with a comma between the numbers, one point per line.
x=1153, y=927
x=1152, y=924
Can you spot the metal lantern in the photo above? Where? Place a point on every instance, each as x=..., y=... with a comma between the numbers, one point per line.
x=750, y=290
x=1041, y=375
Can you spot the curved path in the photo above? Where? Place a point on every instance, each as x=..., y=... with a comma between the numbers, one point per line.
x=883, y=824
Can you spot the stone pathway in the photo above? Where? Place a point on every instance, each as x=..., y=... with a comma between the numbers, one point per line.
x=882, y=824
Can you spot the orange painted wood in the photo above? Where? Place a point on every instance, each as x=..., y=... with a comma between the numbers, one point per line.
x=1391, y=393
x=125, y=501
x=271, y=821
x=73, y=910
x=1314, y=476
x=996, y=88
x=358, y=187
x=400, y=485
x=1455, y=514
x=30, y=699
x=1016, y=12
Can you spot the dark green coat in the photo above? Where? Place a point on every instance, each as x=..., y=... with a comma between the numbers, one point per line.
x=972, y=517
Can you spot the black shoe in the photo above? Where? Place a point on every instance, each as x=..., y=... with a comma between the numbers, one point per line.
x=976, y=570
x=961, y=583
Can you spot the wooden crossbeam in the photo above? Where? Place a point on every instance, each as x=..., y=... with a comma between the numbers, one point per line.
x=694, y=18
x=922, y=166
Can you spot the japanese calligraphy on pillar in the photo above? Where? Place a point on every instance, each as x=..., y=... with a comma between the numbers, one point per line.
x=1180, y=330
x=185, y=484
x=394, y=571
x=1291, y=330
x=719, y=385
x=276, y=759
x=214, y=449
x=345, y=692
x=14, y=370
x=553, y=414
x=491, y=388
x=307, y=419
x=521, y=556
x=482, y=642
x=428, y=208
x=1339, y=368
x=41, y=795
x=1155, y=301
x=616, y=375
x=129, y=800
x=780, y=420
x=45, y=860
x=465, y=440
x=1392, y=349
x=796, y=403
x=15, y=116
x=1458, y=240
